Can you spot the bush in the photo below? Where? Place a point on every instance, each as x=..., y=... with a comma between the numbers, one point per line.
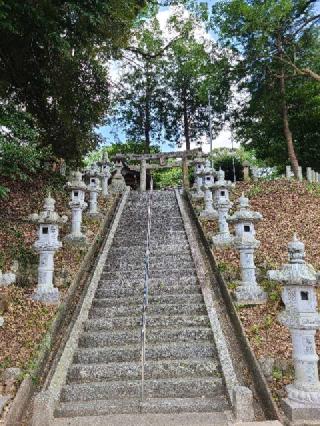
x=167, y=178
x=21, y=161
x=231, y=161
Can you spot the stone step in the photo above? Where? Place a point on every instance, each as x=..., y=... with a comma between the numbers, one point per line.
x=129, y=266
x=154, y=321
x=129, y=353
x=155, y=270
x=156, y=250
x=169, y=298
x=86, y=373
x=156, y=273
x=153, y=335
x=132, y=262
x=165, y=309
x=166, y=388
x=156, y=287
x=154, y=405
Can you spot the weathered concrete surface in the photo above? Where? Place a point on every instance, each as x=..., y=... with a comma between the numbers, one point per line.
x=188, y=419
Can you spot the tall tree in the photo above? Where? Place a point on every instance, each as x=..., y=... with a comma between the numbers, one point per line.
x=197, y=68
x=163, y=92
x=268, y=38
x=51, y=64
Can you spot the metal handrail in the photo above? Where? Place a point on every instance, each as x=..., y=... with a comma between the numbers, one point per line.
x=145, y=294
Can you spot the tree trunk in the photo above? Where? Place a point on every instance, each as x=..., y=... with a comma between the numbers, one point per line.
x=147, y=118
x=185, y=166
x=186, y=121
x=286, y=127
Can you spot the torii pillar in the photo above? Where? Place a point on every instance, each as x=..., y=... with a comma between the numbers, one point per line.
x=143, y=175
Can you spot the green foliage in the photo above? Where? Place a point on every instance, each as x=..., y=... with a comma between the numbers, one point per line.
x=21, y=161
x=277, y=373
x=164, y=87
x=53, y=56
x=4, y=192
x=167, y=178
x=269, y=40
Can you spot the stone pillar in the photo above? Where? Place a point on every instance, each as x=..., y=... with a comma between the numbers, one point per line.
x=316, y=177
x=185, y=173
x=288, y=172
x=46, y=245
x=118, y=183
x=94, y=189
x=199, y=167
x=246, y=175
x=313, y=176
x=300, y=175
x=248, y=291
x=143, y=175
x=77, y=205
x=223, y=204
x=105, y=175
x=299, y=281
x=209, y=212
x=254, y=171
x=309, y=174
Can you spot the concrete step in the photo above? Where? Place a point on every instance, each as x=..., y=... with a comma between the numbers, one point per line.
x=154, y=321
x=181, y=417
x=130, y=279
x=153, y=300
x=165, y=309
x=129, y=353
x=154, y=405
x=86, y=373
x=165, y=388
x=156, y=287
x=154, y=335
x=136, y=266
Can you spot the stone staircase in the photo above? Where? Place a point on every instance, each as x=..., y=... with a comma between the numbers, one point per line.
x=182, y=371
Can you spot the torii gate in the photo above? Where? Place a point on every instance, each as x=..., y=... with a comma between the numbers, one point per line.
x=162, y=158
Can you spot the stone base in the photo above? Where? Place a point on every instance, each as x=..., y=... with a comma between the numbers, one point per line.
x=95, y=215
x=222, y=240
x=76, y=240
x=301, y=413
x=197, y=195
x=250, y=295
x=7, y=279
x=1, y=321
x=117, y=187
x=209, y=215
x=50, y=297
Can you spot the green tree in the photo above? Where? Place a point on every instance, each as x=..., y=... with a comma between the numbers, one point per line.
x=269, y=38
x=163, y=92
x=197, y=68
x=51, y=64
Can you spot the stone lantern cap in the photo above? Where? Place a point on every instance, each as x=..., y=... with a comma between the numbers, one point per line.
x=221, y=182
x=48, y=215
x=94, y=186
x=297, y=272
x=76, y=182
x=207, y=170
x=244, y=214
x=94, y=170
x=246, y=163
x=199, y=159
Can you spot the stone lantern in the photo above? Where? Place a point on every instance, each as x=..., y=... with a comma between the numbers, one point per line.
x=94, y=188
x=299, y=281
x=197, y=187
x=209, y=212
x=222, y=203
x=105, y=174
x=248, y=291
x=118, y=183
x=77, y=204
x=46, y=245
